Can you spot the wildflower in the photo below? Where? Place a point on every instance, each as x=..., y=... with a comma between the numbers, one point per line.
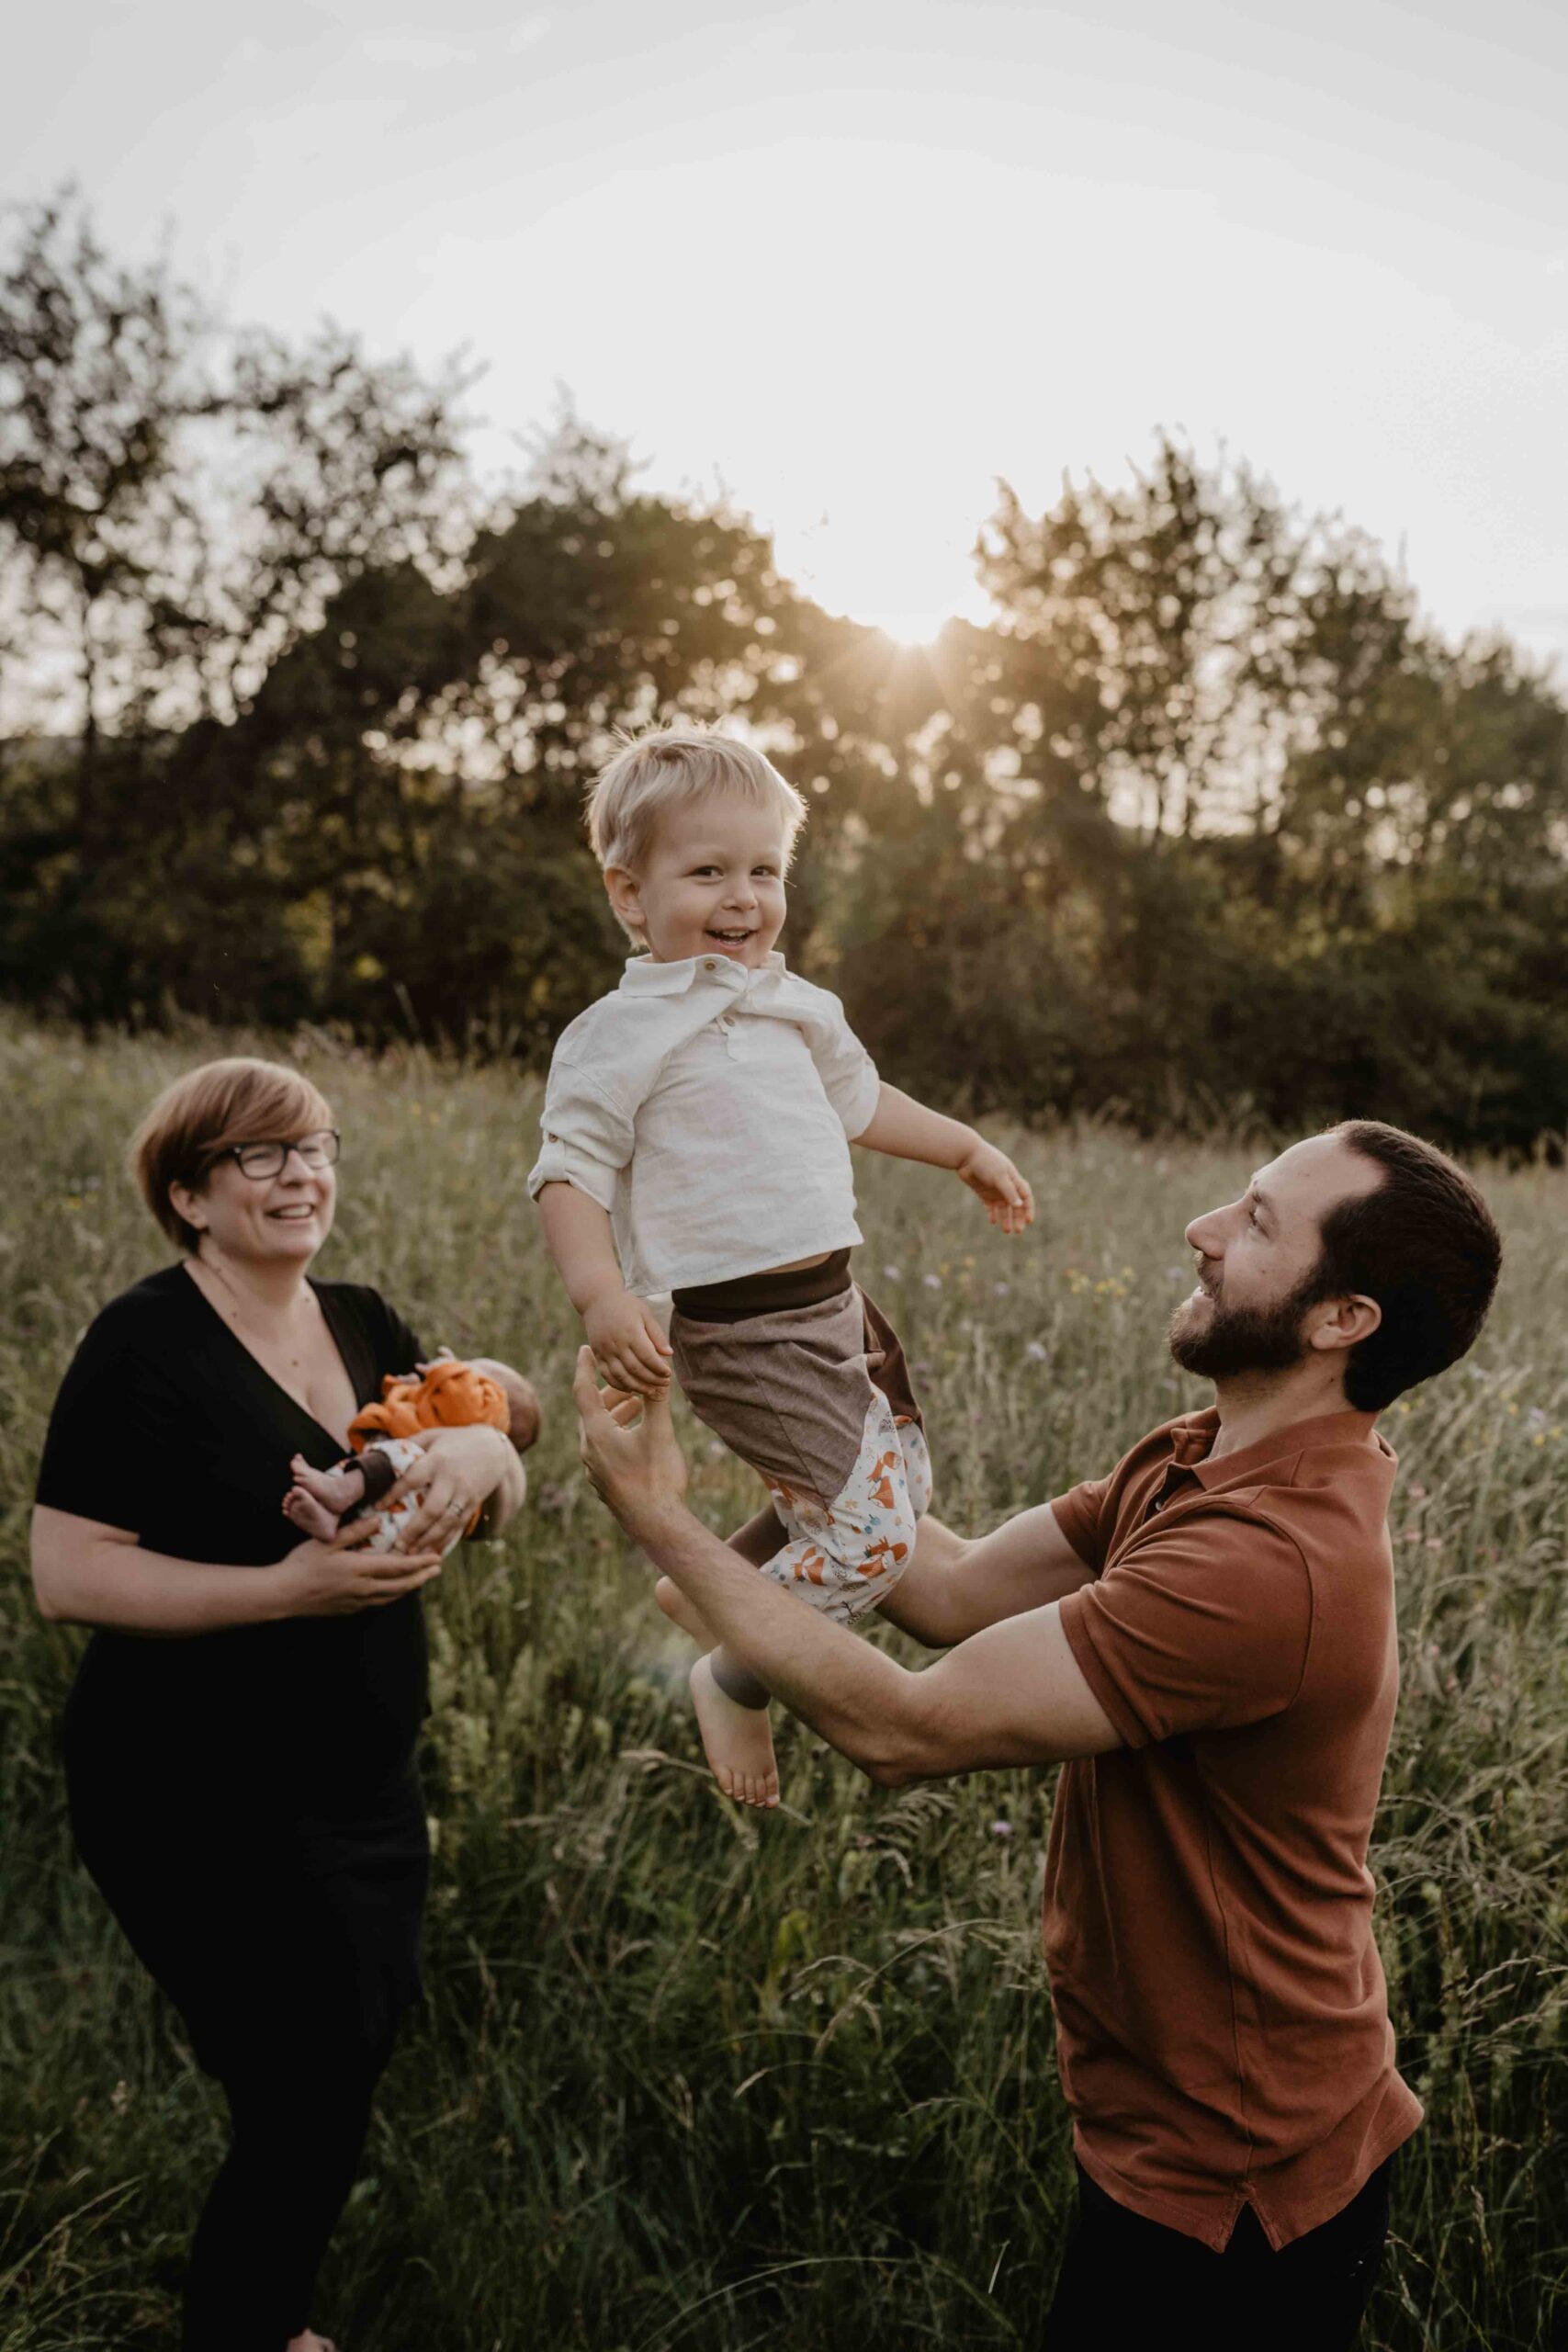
x=892, y=1274
x=1035, y=1350
x=932, y=1282
x=1001, y=1830
x=1000, y=1290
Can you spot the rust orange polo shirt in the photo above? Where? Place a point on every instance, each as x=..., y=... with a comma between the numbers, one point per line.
x=1222, y=2020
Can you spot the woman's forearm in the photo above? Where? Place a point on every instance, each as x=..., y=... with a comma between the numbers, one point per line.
x=908, y=1130
x=87, y=1574
x=505, y=1498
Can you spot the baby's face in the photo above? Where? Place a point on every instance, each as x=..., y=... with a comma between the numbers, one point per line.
x=712, y=884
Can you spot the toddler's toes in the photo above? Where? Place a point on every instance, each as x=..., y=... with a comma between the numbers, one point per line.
x=736, y=1740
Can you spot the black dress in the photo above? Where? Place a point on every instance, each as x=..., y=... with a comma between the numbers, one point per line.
x=246, y=1799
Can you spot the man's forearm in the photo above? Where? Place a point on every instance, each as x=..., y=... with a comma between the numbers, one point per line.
x=859, y=1700
x=955, y=1587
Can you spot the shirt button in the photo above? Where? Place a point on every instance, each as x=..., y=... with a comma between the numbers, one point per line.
x=710, y=963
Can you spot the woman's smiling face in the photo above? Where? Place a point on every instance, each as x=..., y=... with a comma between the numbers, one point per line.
x=713, y=883
x=267, y=1220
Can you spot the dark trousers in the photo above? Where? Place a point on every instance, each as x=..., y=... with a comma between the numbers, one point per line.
x=1128, y=2281
x=298, y=2129
x=290, y=1946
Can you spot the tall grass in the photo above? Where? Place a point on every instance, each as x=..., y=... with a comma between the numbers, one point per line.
x=690, y=2079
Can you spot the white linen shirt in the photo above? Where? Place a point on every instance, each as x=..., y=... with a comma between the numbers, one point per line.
x=709, y=1108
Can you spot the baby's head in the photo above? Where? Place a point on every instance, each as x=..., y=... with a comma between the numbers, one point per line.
x=693, y=832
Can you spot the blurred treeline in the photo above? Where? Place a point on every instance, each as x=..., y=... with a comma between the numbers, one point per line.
x=297, y=715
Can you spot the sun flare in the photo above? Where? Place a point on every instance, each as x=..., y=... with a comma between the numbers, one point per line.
x=872, y=567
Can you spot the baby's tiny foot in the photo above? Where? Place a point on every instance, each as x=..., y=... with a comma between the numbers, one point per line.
x=311, y=2341
x=338, y=1488
x=738, y=1741
x=311, y=1517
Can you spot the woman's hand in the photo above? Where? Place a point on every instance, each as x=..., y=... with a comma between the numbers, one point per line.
x=339, y=1578
x=458, y=1470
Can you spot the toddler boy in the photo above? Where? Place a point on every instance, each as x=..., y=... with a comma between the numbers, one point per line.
x=696, y=1131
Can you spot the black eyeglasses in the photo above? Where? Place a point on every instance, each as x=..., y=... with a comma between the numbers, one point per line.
x=260, y=1160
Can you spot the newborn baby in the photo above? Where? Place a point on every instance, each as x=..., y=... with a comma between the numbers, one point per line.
x=447, y=1393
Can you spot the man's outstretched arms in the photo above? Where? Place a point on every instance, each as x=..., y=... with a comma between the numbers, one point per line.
x=955, y=1586
x=1011, y=1694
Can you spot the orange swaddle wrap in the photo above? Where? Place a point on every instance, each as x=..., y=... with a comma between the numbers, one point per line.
x=450, y=1395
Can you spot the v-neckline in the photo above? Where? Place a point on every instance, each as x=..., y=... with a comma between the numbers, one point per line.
x=334, y=1333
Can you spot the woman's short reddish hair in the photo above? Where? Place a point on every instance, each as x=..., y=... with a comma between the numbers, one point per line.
x=198, y=1118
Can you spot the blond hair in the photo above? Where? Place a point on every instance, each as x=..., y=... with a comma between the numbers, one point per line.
x=670, y=768
x=206, y=1113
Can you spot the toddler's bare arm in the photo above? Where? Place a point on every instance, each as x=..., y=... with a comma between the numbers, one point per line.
x=908, y=1130
x=622, y=1328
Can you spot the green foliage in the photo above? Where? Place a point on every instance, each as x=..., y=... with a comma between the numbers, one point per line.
x=687, y=2080
x=1207, y=818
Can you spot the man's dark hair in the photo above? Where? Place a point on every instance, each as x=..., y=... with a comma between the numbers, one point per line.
x=1424, y=1246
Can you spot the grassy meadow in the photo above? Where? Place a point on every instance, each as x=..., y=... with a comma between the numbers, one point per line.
x=688, y=2080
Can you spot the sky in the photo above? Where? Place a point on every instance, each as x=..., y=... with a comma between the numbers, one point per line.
x=851, y=262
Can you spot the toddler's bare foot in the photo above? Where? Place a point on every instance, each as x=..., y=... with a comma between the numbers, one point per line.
x=738, y=1741
x=311, y=2341
x=310, y=1517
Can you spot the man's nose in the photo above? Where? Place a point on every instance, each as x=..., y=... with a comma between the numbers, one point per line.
x=1203, y=1234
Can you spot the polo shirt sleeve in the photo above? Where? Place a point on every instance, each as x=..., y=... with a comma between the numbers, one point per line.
x=1202, y=1626
x=588, y=1134
x=849, y=1075
x=1079, y=1516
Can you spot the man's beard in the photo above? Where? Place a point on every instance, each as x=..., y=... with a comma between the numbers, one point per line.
x=1240, y=1340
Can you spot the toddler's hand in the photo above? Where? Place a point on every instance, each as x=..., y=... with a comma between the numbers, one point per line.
x=1008, y=1200
x=628, y=1346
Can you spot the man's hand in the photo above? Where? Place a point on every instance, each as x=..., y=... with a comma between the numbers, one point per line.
x=624, y=1334
x=1008, y=1200
x=628, y=1449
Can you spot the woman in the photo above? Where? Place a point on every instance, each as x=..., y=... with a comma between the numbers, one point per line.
x=239, y=1741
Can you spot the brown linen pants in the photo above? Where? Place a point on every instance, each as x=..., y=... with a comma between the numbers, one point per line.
x=804, y=1379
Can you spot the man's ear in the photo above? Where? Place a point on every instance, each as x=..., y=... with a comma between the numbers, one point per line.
x=624, y=895
x=1344, y=1322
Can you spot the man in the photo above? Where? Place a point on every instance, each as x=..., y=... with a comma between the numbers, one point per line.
x=1205, y=1639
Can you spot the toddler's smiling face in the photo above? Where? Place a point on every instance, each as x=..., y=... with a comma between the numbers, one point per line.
x=713, y=883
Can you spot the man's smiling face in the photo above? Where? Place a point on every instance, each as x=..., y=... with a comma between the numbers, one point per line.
x=1258, y=1260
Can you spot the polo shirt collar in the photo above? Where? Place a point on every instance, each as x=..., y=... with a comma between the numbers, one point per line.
x=1191, y=1437
x=643, y=977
